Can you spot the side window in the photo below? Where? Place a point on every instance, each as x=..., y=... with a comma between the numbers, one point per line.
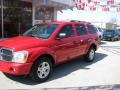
x=116, y=32
x=80, y=29
x=91, y=29
x=100, y=29
x=67, y=29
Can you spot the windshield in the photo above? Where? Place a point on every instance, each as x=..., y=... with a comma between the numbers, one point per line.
x=109, y=32
x=41, y=30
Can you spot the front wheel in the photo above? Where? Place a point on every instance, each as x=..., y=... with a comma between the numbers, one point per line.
x=41, y=69
x=89, y=57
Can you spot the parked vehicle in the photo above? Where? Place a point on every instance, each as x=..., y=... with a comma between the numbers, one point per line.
x=111, y=35
x=118, y=31
x=100, y=32
x=46, y=45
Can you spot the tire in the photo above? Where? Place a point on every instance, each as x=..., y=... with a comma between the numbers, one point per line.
x=90, y=56
x=41, y=69
x=112, y=39
x=118, y=39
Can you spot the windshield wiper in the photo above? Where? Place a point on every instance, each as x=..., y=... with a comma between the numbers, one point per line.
x=35, y=36
x=32, y=35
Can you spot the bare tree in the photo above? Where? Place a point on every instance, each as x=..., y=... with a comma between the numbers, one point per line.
x=113, y=20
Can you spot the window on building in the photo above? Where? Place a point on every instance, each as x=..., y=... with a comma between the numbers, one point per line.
x=17, y=17
x=0, y=20
x=44, y=13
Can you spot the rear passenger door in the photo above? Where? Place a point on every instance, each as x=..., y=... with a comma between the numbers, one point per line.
x=93, y=36
x=81, y=38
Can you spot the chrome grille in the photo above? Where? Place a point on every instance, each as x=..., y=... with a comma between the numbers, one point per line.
x=6, y=54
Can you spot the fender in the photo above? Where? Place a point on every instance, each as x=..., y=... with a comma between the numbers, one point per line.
x=86, y=51
x=35, y=53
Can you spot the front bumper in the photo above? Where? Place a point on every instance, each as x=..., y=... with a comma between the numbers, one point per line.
x=107, y=38
x=15, y=68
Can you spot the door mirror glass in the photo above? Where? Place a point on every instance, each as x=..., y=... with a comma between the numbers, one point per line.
x=61, y=35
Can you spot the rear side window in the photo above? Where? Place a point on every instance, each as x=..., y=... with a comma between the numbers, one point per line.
x=80, y=29
x=91, y=29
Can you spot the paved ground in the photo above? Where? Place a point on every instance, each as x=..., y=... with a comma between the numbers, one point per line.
x=103, y=73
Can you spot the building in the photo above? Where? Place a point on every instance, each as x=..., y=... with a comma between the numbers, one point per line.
x=16, y=16
x=106, y=25
x=111, y=26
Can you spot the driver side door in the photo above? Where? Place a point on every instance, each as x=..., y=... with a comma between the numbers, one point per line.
x=64, y=47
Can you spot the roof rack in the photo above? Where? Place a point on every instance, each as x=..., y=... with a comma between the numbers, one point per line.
x=75, y=21
x=79, y=21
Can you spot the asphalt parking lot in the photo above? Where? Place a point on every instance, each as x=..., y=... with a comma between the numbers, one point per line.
x=102, y=73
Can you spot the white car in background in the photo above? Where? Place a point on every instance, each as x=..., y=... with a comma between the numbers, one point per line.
x=100, y=32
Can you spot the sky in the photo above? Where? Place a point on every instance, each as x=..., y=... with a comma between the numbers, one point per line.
x=91, y=16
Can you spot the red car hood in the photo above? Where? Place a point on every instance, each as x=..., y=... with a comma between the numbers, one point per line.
x=22, y=42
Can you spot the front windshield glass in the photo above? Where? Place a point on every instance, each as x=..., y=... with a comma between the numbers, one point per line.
x=41, y=30
x=109, y=32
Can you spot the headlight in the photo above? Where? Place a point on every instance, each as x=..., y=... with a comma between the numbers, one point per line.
x=20, y=57
x=109, y=35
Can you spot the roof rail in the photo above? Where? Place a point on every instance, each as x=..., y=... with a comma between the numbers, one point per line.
x=79, y=21
x=75, y=21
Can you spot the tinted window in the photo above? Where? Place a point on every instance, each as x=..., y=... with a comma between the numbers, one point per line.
x=91, y=29
x=67, y=29
x=109, y=32
x=117, y=31
x=80, y=29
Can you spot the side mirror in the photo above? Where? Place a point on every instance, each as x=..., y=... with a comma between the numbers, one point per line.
x=61, y=35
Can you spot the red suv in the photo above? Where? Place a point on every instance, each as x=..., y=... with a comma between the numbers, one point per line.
x=45, y=45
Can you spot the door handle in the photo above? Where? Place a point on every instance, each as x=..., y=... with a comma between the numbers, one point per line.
x=89, y=39
x=81, y=41
x=75, y=42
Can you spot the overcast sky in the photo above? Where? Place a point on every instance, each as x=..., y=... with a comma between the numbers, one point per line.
x=91, y=16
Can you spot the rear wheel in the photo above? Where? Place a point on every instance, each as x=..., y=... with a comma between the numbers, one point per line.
x=41, y=69
x=118, y=39
x=89, y=57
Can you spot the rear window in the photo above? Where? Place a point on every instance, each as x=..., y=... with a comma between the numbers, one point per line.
x=91, y=29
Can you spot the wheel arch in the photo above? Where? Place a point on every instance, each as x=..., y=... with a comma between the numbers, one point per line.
x=46, y=55
x=34, y=76
x=88, y=54
x=94, y=46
